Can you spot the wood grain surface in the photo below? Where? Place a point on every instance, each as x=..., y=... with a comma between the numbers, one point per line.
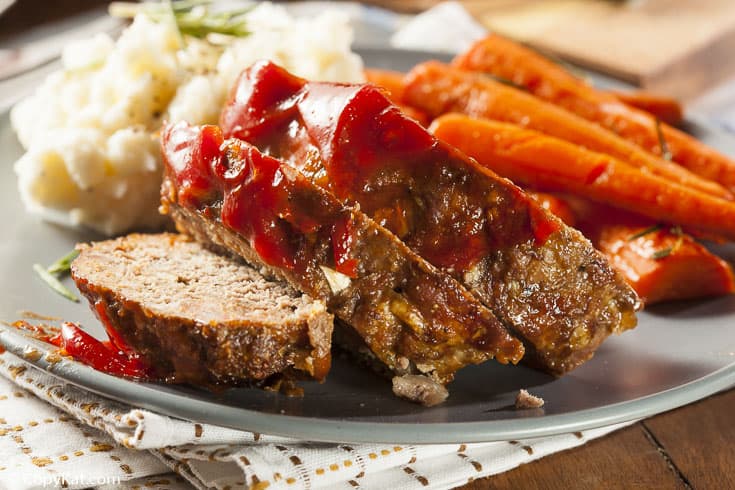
x=690, y=447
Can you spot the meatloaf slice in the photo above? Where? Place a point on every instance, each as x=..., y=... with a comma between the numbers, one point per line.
x=201, y=318
x=541, y=278
x=414, y=318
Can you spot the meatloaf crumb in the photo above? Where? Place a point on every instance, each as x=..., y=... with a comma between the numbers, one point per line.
x=420, y=389
x=526, y=400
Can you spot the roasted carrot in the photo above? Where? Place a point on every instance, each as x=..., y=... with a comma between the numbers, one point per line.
x=509, y=60
x=549, y=164
x=660, y=262
x=391, y=81
x=665, y=109
x=551, y=82
x=555, y=205
x=420, y=116
x=436, y=89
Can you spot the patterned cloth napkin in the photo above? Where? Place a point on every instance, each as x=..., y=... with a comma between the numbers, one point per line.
x=55, y=434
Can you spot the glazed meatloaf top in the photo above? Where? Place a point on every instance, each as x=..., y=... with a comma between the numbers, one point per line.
x=198, y=317
x=542, y=279
x=416, y=319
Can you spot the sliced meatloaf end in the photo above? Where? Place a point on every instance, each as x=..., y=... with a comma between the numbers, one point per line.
x=542, y=279
x=414, y=318
x=200, y=318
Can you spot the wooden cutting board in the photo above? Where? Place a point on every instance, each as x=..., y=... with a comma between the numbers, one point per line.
x=674, y=47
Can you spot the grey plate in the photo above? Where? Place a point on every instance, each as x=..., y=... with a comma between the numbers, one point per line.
x=678, y=354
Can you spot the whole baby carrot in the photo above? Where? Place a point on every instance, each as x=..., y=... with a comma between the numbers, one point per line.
x=665, y=109
x=436, y=88
x=551, y=82
x=549, y=164
x=392, y=82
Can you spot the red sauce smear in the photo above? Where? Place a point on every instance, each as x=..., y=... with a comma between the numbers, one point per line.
x=351, y=140
x=111, y=357
x=44, y=333
x=102, y=356
x=342, y=238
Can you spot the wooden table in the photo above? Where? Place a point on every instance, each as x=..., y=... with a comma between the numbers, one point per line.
x=692, y=447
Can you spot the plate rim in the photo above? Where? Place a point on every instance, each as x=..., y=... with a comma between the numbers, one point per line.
x=347, y=431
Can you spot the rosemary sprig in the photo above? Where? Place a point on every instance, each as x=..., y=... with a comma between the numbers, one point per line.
x=193, y=18
x=662, y=254
x=642, y=233
x=665, y=152
x=63, y=265
x=54, y=283
x=665, y=252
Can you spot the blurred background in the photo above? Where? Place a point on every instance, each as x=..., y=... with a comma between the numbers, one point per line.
x=680, y=48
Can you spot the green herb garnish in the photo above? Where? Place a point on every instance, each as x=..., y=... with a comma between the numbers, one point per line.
x=665, y=152
x=506, y=81
x=665, y=252
x=194, y=18
x=642, y=233
x=63, y=265
x=54, y=283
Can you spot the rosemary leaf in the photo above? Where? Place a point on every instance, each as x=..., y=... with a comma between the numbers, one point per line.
x=665, y=152
x=190, y=17
x=642, y=233
x=54, y=283
x=662, y=254
x=506, y=81
x=665, y=252
x=63, y=265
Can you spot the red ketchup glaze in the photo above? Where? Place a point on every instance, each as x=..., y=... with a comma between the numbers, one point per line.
x=198, y=185
x=111, y=357
x=116, y=341
x=342, y=241
x=260, y=201
x=102, y=356
x=375, y=155
x=542, y=226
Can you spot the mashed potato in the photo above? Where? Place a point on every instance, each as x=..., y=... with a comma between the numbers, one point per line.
x=90, y=130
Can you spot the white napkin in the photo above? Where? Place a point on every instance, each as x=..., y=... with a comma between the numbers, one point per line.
x=446, y=27
x=53, y=432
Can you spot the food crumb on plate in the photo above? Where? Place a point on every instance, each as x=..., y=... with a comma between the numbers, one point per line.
x=526, y=400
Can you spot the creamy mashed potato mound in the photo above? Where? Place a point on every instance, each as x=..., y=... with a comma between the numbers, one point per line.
x=91, y=129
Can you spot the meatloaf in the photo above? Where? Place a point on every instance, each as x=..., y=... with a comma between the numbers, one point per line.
x=541, y=278
x=414, y=318
x=200, y=318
